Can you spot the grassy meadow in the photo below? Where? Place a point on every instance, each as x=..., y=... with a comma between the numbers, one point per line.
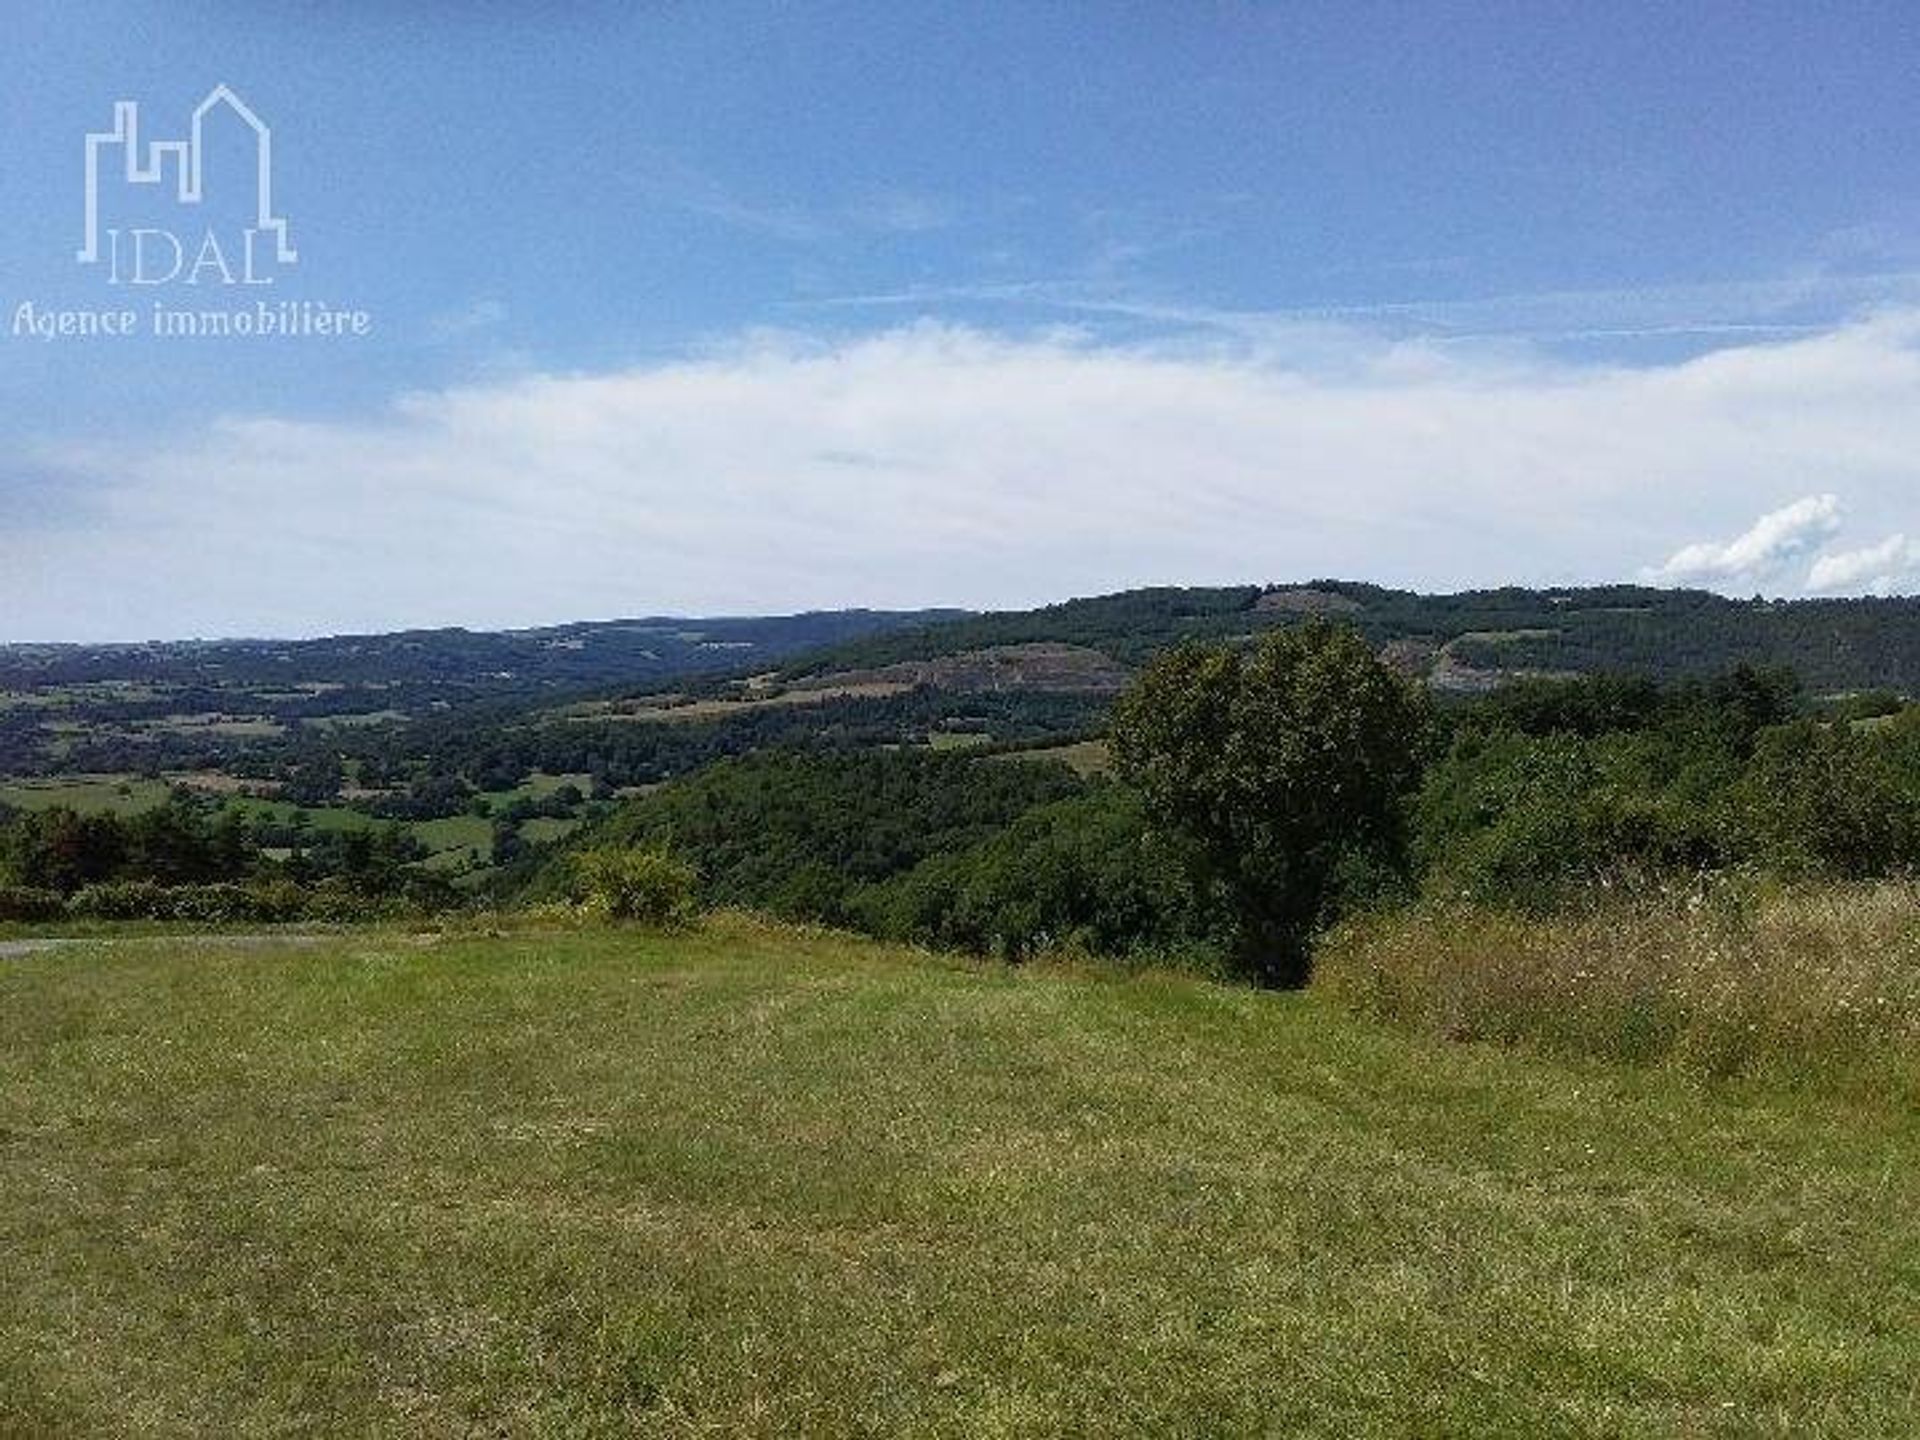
x=1816, y=987
x=88, y=794
x=749, y=1180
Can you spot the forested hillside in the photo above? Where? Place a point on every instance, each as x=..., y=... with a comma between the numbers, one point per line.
x=1468, y=640
x=188, y=704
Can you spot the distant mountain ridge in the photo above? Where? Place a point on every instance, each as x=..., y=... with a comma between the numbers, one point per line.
x=416, y=720
x=1466, y=641
x=574, y=655
x=194, y=704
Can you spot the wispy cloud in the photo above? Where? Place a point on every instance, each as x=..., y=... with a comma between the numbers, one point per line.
x=932, y=463
x=670, y=181
x=903, y=212
x=1765, y=308
x=476, y=316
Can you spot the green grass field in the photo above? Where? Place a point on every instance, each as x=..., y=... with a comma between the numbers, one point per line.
x=454, y=832
x=321, y=819
x=539, y=785
x=751, y=1181
x=88, y=794
x=1083, y=757
x=544, y=830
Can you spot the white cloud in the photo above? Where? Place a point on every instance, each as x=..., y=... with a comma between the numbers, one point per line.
x=1774, y=540
x=1882, y=569
x=937, y=465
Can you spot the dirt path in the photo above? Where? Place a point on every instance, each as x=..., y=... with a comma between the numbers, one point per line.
x=12, y=949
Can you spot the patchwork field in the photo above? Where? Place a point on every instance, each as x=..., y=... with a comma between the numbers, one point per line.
x=756, y=1181
x=673, y=708
x=456, y=842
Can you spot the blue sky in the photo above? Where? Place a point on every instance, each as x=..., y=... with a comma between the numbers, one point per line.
x=749, y=307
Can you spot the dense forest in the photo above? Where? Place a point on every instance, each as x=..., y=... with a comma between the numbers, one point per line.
x=1669, y=634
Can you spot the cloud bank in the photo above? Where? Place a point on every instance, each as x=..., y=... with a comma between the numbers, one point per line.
x=1763, y=552
x=928, y=464
x=1884, y=569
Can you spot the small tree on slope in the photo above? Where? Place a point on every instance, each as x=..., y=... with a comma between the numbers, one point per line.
x=1281, y=768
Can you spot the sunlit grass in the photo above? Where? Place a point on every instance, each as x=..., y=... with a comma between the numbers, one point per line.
x=89, y=794
x=748, y=1180
x=1817, y=987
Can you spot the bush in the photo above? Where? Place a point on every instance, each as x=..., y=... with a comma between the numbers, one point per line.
x=1086, y=873
x=222, y=904
x=1537, y=822
x=235, y=904
x=338, y=899
x=648, y=886
x=121, y=900
x=27, y=902
x=1827, y=800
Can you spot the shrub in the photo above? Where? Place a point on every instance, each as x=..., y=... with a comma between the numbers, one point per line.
x=1086, y=874
x=27, y=902
x=1534, y=822
x=121, y=900
x=273, y=902
x=1827, y=800
x=338, y=899
x=649, y=886
x=234, y=904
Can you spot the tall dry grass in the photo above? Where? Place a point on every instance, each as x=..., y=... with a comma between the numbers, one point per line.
x=1809, y=986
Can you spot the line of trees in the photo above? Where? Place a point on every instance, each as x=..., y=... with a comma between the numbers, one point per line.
x=184, y=860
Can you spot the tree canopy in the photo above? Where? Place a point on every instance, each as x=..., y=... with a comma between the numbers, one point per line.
x=1282, y=768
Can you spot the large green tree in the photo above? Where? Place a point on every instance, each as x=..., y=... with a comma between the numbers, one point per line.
x=1282, y=768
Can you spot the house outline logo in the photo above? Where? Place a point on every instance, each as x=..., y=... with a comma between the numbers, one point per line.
x=186, y=159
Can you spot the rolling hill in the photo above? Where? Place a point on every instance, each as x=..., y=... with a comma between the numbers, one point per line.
x=1464, y=641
